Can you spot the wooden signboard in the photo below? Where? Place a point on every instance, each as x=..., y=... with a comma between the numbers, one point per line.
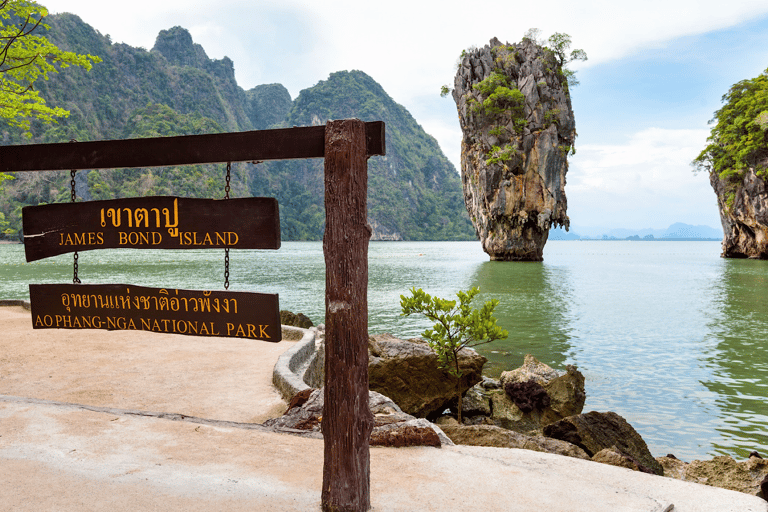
x=160, y=222
x=137, y=308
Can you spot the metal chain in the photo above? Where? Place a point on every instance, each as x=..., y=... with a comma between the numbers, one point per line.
x=226, y=249
x=75, y=279
x=226, y=187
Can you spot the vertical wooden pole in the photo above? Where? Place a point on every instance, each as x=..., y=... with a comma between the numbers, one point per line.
x=347, y=420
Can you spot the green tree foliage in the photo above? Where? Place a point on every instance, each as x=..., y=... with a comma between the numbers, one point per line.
x=456, y=326
x=560, y=43
x=26, y=57
x=739, y=139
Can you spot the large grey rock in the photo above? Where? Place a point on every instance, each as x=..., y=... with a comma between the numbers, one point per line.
x=491, y=435
x=723, y=471
x=531, y=369
x=392, y=427
x=565, y=393
x=514, y=151
x=407, y=371
x=596, y=431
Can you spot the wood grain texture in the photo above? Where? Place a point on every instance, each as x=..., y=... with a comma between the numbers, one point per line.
x=155, y=222
x=347, y=420
x=278, y=144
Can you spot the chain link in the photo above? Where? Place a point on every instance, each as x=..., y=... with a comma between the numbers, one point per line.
x=75, y=279
x=72, y=185
x=226, y=187
x=226, y=249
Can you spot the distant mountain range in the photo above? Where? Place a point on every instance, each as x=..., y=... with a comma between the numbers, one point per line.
x=677, y=231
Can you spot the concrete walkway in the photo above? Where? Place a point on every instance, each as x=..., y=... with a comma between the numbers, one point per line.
x=77, y=432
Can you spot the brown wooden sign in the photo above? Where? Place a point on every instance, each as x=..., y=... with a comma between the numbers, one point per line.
x=160, y=222
x=137, y=308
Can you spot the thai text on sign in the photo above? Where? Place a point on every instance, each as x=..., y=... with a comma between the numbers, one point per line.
x=157, y=222
x=166, y=310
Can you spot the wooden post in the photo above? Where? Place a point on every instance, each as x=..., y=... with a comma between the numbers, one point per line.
x=347, y=420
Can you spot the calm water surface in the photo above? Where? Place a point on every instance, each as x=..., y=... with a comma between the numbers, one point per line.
x=667, y=334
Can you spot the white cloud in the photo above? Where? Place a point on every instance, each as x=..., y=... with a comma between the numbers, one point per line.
x=411, y=49
x=646, y=182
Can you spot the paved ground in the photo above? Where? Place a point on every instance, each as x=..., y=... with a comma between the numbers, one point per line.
x=71, y=439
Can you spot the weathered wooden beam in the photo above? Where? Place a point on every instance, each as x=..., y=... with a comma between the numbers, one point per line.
x=347, y=419
x=279, y=144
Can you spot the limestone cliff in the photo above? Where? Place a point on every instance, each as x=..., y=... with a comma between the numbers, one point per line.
x=736, y=159
x=518, y=128
x=743, y=207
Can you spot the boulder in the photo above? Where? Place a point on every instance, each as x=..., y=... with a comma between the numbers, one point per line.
x=296, y=320
x=306, y=413
x=475, y=403
x=407, y=371
x=532, y=369
x=596, y=431
x=413, y=432
x=614, y=457
x=491, y=435
x=527, y=409
x=749, y=476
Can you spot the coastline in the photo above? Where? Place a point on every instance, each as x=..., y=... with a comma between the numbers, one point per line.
x=69, y=419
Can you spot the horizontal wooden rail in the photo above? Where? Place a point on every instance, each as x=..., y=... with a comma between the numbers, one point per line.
x=260, y=145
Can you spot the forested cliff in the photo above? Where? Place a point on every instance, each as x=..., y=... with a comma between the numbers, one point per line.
x=175, y=89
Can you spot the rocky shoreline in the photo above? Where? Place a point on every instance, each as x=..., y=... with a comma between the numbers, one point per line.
x=533, y=407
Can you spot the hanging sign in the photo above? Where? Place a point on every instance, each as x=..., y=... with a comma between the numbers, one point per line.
x=137, y=308
x=159, y=222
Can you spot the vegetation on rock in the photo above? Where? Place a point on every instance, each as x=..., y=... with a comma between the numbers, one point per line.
x=739, y=139
x=456, y=327
x=515, y=113
x=736, y=159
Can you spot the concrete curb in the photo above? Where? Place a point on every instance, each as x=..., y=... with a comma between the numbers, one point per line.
x=288, y=374
x=16, y=302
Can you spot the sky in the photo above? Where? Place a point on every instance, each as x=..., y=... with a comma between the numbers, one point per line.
x=654, y=78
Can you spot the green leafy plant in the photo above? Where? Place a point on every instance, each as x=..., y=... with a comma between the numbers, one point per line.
x=456, y=326
x=499, y=154
x=560, y=43
x=551, y=116
x=739, y=139
x=25, y=58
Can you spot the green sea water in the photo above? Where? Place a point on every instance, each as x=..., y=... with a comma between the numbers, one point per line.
x=668, y=334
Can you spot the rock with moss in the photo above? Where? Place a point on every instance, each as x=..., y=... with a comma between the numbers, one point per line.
x=518, y=129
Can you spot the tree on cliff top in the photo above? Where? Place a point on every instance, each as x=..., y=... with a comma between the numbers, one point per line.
x=559, y=44
x=739, y=139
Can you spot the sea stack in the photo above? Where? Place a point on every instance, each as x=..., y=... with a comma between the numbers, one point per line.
x=518, y=129
x=743, y=205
